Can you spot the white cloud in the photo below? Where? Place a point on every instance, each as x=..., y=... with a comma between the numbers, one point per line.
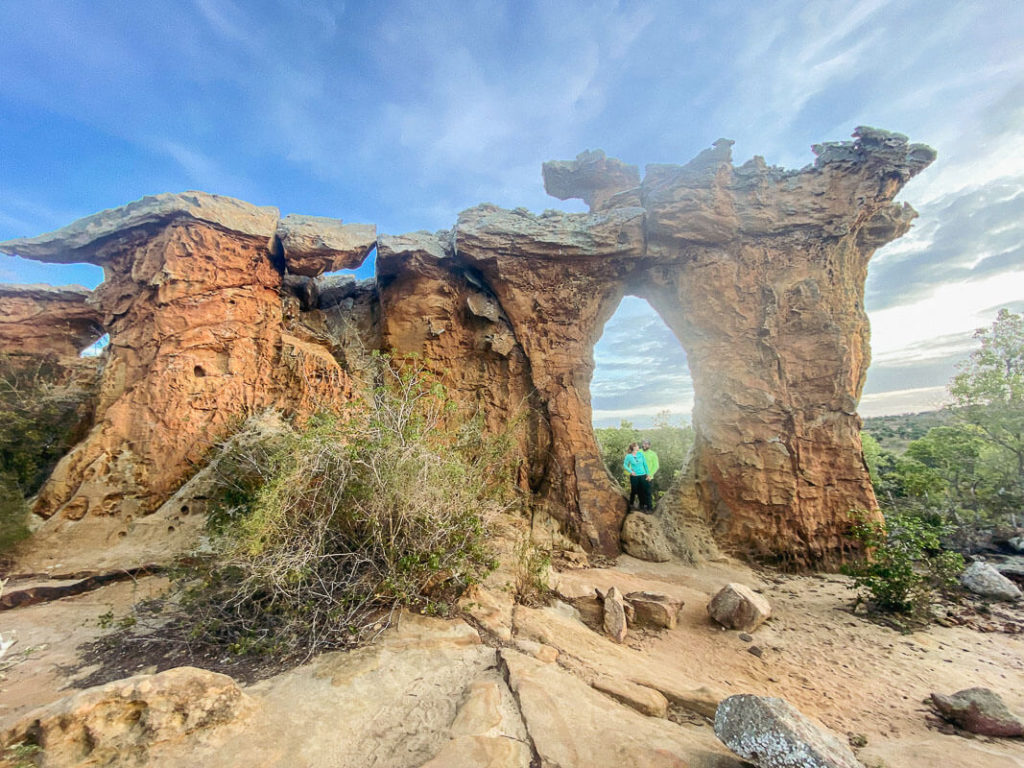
x=950, y=309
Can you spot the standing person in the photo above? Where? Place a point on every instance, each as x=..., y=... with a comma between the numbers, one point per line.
x=652, y=468
x=636, y=466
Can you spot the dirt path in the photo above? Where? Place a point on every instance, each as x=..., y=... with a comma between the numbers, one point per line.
x=853, y=675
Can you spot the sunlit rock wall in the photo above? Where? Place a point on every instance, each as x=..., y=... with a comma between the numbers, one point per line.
x=217, y=309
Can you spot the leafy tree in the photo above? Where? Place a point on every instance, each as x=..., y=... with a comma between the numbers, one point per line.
x=988, y=394
x=901, y=479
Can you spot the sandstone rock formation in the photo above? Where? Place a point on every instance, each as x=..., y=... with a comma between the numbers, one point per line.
x=41, y=320
x=213, y=312
x=192, y=303
x=122, y=722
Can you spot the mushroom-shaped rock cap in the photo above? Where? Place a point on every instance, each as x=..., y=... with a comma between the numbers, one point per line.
x=592, y=177
x=313, y=245
x=95, y=239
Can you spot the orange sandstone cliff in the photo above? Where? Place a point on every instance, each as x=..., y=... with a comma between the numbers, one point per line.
x=217, y=309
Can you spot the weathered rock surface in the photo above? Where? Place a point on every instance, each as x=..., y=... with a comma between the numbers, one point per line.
x=196, y=340
x=736, y=606
x=979, y=710
x=312, y=245
x=122, y=722
x=772, y=734
x=571, y=724
x=42, y=320
x=615, y=615
x=108, y=234
x=593, y=177
x=644, y=538
x=758, y=271
x=644, y=700
x=983, y=579
x=654, y=609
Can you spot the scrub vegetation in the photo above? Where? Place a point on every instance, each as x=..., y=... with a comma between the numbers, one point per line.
x=957, y=485
x=45, y=409
x=324, y=530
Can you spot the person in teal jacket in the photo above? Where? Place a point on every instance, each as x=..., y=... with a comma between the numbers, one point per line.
x=636, y=465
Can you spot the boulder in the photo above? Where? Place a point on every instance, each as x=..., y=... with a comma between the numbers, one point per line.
x=615, y=615
x=644, y=538
x=121, y=722
x=983, y=579
x=654, y=609
x=739, y=607
x=979, y=710
x=772, y=734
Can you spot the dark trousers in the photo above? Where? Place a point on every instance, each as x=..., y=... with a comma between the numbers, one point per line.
x=640, y=487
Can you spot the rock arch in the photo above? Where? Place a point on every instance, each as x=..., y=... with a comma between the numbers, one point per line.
x=758, y=271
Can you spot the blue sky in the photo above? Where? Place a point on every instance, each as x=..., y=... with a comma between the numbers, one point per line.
x=404, y=113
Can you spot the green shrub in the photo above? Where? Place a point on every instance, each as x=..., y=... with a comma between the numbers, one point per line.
x=905, y=564
x=349, y=517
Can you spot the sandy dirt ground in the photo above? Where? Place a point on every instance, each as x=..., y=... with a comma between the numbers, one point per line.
x=854, y=676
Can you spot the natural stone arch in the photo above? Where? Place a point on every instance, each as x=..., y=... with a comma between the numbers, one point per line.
x=758, y=271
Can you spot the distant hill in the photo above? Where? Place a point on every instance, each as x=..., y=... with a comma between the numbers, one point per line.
x=894, y=433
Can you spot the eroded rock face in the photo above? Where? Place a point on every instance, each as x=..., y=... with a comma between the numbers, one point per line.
x=41, y=320
x=758, y=271
x=196, y=341
x=121, y=722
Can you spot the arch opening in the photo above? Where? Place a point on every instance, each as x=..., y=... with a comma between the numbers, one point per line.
x=642, y=389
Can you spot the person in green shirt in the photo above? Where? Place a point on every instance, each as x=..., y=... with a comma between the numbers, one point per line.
x=652, y=468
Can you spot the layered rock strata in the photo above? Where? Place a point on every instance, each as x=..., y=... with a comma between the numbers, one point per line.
x=213, y=311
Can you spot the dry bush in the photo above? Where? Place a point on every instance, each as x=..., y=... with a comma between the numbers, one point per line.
x=336, y=524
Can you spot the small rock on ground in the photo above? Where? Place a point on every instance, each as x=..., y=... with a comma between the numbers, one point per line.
x=982, y=579
x=739, y=607
x=979, y=710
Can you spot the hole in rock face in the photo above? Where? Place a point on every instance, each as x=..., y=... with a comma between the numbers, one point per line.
x=641, y=389
x=94, y=349
x=199, y=371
